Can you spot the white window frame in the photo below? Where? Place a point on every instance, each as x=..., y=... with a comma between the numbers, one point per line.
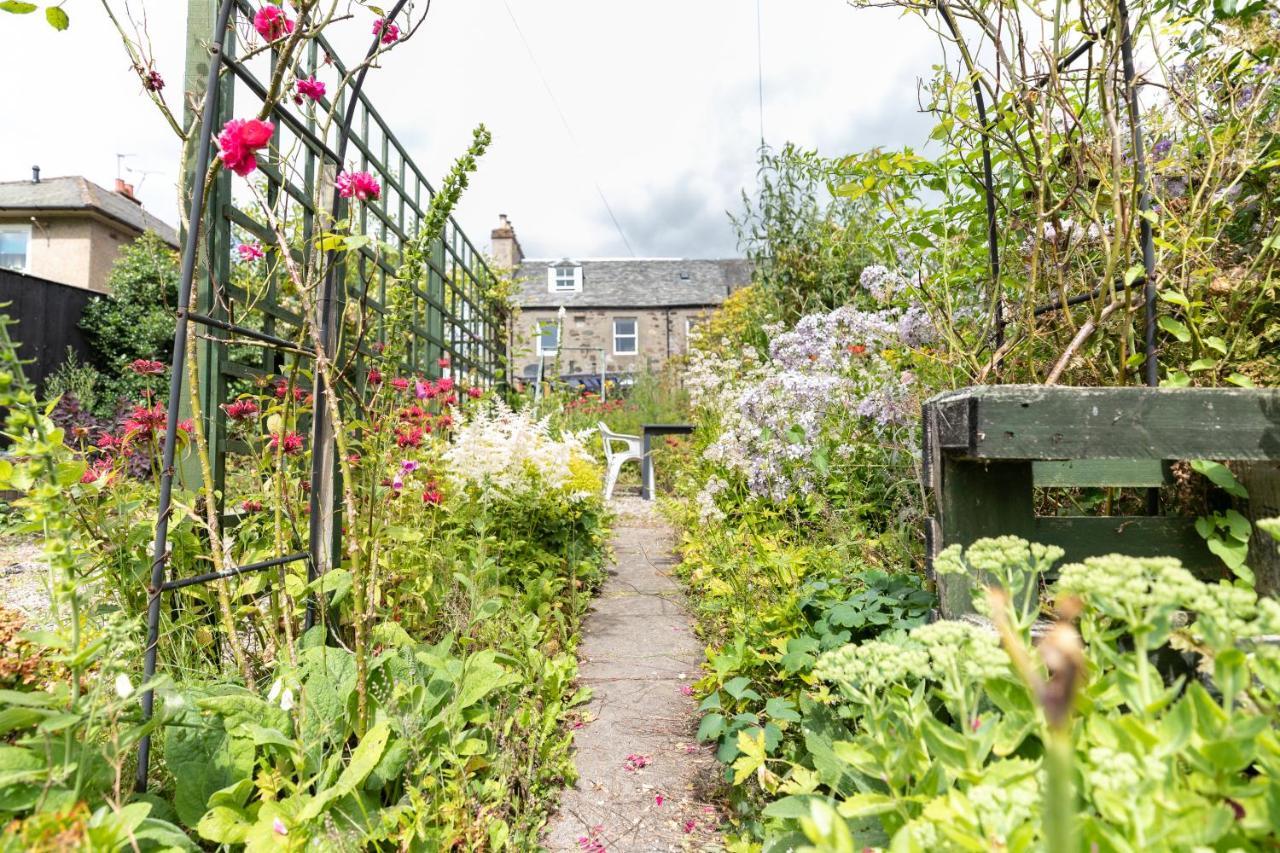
x=558, y=282
x=539, y=332
x=634, y=337
x=25, y=230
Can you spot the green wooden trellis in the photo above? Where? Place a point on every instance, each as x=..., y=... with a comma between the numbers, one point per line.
x=448, y=312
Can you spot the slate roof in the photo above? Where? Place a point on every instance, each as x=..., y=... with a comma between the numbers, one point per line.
x=636, y=282
x=77, y=193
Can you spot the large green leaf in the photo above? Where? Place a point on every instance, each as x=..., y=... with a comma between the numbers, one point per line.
x=203, y=759
x=483, y=675
x=364, y=758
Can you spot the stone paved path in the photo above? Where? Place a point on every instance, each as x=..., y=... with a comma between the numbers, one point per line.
x=638, y=652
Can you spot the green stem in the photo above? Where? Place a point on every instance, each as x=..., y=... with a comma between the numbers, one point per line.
x=1059, y=793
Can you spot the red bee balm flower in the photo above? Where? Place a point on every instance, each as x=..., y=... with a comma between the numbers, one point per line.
x=410, y=437
x=389, y=32
x=238, y=141
x=375, y=376
x=292, y=443
x=144, y=422
x=251, y=506
x=432, y=497
x=475, y=392
x=359, y=185
x=153, y=82
x=242, y=410
x=311, y=88
x=400, y=383
x=443, y=361
x=272, y=23
x=145, y=367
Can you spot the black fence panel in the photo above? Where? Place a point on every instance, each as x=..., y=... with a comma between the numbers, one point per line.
x=48, y=315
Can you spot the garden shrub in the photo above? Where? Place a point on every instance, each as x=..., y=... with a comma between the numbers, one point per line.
x=134, y=321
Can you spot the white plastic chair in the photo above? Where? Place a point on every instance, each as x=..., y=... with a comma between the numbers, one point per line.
x=615, y=459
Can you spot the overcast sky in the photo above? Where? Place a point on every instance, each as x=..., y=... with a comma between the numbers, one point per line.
x=661, y=99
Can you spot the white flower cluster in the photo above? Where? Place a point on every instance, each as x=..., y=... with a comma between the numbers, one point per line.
x=498, y=450
x=708, y=511
x=881, y=282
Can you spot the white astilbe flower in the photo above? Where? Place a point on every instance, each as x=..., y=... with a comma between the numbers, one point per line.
x=504, y=453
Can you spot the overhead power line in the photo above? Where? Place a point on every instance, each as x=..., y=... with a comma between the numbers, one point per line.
x=567, y=129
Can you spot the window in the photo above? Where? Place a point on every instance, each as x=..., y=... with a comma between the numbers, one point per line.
x=625, y=336
x=15, y=243
x=690, y=324
x=548, y=337
x=564, y=277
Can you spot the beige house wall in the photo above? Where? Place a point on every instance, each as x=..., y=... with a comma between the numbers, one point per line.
x=662, y=333
x=74, y=250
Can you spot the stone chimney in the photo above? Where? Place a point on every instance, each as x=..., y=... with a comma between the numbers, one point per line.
x=504, y=245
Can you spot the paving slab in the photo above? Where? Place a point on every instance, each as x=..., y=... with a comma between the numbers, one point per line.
x=644, y=783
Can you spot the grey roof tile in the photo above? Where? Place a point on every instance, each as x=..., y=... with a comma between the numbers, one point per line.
x=77, y=193
x=637, y=282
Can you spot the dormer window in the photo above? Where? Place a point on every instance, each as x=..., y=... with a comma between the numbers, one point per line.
x=564, y=277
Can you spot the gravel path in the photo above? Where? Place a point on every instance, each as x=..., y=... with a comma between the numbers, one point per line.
x=23, y=580
x=643, y=779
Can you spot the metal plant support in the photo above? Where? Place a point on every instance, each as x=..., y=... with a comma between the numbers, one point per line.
x=1151, y=374
x=449, y=315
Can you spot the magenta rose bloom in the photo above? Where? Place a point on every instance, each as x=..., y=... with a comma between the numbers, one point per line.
x=238, y=141
x=272, y=23
x=360, y=185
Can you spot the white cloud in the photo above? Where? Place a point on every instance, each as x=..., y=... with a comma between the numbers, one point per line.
x=661, y=98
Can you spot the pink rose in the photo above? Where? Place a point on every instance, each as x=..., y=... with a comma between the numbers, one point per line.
x=272, y=23
x=360, y=185
x=311, y=88
x=250, y=252
x=388, y=31
x=238, y=141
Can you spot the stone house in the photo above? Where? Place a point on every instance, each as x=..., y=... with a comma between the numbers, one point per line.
x=622, y=314
x=69, y=230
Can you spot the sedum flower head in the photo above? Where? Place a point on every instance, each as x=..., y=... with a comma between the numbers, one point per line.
x=874, y=665
x=961, y=648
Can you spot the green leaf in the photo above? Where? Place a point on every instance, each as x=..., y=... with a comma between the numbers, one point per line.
x=364, y=758
x=203, y=759
x=711, y=727
x=1202, y=364
x=17, y=8
x=483, y=676
x=57, y=18
x=780, y=708
x=225, y=825
x=1175, y=328
x=1220, y=475
x=1231, y=672
x=1241, y=380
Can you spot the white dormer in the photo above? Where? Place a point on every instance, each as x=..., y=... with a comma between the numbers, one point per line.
x=564, y=277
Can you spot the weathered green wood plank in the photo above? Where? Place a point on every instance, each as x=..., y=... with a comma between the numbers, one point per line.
x=1130, y=473
x=978, y=500
x=1053, y=422
x=1134, y=536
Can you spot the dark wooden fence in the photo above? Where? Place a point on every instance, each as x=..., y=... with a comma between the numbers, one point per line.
x=48, y=315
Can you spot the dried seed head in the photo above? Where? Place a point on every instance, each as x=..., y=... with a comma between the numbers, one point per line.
x=1063, y=656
